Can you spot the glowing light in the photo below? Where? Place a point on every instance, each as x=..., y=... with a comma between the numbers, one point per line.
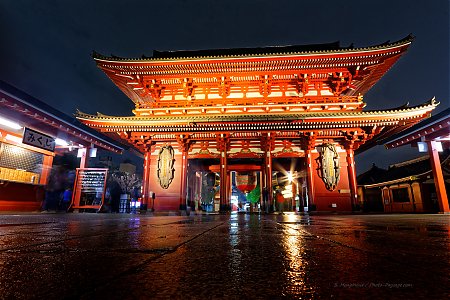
x=93, y=152
x=9, y=123
x=290, y=176
x=14, y=138
x=81, y=152
x=61, y=142
x=287, y=194
x=16, y=150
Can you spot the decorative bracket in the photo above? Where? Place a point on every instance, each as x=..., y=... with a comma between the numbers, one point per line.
x=265, y=86
x=223, y=142
x=188, y=87
x=224, y=87
x=184, y=143
x=268, y=141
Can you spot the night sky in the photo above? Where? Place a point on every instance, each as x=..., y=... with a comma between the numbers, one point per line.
x=46, y=46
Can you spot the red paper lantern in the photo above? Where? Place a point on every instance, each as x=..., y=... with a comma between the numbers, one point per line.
x=245, y=181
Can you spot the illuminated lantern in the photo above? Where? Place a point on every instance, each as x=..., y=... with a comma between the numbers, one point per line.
x=246, y=181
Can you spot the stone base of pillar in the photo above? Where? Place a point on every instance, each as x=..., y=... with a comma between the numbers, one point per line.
x=224, y=208
x=356, y=207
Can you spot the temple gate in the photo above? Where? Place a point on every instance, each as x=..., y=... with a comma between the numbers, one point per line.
x=290, y=113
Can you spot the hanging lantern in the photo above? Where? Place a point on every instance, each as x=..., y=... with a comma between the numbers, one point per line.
x=210, y=179
x=245, y=181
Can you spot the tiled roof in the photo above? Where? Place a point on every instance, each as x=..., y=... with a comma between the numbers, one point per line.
x=252, y=52
x=445, y=114
x=371, y=176
x=393, y=113
x=26, y=101
x=400, y=172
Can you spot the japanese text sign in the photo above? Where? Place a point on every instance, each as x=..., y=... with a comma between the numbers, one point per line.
x=37, y=139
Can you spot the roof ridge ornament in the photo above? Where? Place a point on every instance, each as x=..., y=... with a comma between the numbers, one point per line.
x=433, y=101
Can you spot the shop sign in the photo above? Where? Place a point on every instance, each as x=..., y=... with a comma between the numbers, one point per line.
x=38, y=139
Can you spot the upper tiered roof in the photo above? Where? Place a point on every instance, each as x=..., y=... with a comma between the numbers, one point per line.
x=267, y=76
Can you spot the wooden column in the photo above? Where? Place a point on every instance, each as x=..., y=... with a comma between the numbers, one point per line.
x=183, y=180
x=184, y=144
x=308, y=143
x=84, y=158
x=229, y=191
x=352, y=175
x=310, y=177
x=46, y=169
x=261, y=190
x=438, y=177
x=223, y=145
x=264, y=191
x=199, y=187
x=223, y=181
x=267, y=145
x=268, y=165
x=146, y=180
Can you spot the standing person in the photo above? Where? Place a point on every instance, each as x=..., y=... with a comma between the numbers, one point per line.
x=115, y=192
x=67, y=198
x=107, y=203
x=265, y=203
x=54, y=190
x=280, y=201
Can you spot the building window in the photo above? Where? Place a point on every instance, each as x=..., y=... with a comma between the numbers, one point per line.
x=19, y=164
x=400, y=195
x=15, y=157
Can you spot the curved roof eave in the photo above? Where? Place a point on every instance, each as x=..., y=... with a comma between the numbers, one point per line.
x=30, y=102
x=203, y=54
x=396, y=113
x=443, y=115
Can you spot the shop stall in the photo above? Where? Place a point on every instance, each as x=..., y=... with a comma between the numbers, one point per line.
x=32, y=133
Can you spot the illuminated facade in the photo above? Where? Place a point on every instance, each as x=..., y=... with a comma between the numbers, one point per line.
x=293, y=113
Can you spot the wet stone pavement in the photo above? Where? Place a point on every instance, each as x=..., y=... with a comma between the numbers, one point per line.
x=237, y=256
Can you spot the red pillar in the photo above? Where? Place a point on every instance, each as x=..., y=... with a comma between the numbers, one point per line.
x=229, y=191
x=84, y=158
x=198, y=188
x=352, y=176
x=438, y=177
x=46, y=169
x=223, y=181
x=267, y=145
x=184, y=165
x=146, y=180
x=261, y=186
x=310, y=178
x=268, y=165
